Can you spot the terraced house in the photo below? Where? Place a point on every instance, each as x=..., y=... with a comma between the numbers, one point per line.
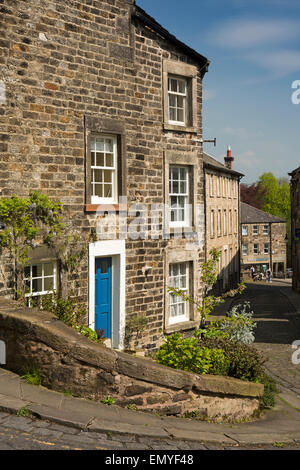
x=222, y=199
x=101, y=109
x=264, y=241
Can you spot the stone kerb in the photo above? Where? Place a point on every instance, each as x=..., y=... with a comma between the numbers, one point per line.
x=70, y=362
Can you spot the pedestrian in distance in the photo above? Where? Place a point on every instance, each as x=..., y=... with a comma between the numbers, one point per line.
x=269, y=275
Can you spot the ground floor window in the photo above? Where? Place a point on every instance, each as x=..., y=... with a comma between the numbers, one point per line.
x=40, y=279
x=179, y=274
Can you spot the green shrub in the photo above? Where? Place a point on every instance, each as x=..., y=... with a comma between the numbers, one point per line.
x=245, y=362
x=270, y=391
x=186, y=354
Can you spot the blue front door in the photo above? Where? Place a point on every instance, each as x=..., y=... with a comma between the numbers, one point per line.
x=103, y=295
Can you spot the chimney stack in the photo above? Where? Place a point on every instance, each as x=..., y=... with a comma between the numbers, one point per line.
x=229, y=159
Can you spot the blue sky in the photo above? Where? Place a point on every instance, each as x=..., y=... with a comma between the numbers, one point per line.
x=254, y=49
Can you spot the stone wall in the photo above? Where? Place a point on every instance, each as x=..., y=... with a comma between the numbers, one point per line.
x=72, y=363
x=72, y=68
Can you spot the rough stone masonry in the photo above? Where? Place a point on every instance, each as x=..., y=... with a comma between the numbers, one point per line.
x=73, y=70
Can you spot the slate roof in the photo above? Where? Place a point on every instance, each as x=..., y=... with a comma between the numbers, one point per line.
x=143, y=16
x=251, y=215
x=211, y=162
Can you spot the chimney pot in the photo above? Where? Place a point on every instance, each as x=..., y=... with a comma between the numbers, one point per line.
x=229, y=158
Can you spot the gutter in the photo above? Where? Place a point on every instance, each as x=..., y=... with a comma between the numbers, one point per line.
x=142, y=16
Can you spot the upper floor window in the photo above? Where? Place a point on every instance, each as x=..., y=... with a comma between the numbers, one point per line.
x=211, y=185
x=245, y=249
x=180, y=96
x=179, y=196
x=177, y=92
x=255, y=249
x=266, y=248
x=255, y=229
x=266, y=230
x=219, y=223
x=245, y=230
x=104, y=169
x=212, y=224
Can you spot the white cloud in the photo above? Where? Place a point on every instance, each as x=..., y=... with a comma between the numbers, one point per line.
x=280, y=62
x=235, y=132
x=249, y=160
x=244, y=33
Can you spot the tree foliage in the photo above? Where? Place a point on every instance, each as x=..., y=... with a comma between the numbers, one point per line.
x=251, y=194
x=275, y=195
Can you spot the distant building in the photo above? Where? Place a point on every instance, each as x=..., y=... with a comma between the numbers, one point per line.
x=222, y=217
x=295, y=227
x=263, y=241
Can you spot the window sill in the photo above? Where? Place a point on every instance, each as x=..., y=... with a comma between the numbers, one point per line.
x=187, y=325
x=179, y=128
x=105, y=207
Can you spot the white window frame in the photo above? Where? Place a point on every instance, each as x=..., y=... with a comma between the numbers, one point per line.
x=266, y=248
x=255, y=232
x=186, y=222
x=244, y=230
x=245, y=249
x=224, y=222
x=266, y=230
x=42, y=277
x=255, y=248
x=177, y=94
x=230, y=222
x=219, y=223
x=212, y=224
x=211, y=185
x=113, y=199
x=175, y=300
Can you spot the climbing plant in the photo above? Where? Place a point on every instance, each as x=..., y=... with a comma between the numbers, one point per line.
x=209, y=273
x=35, y=220
x=26, y=222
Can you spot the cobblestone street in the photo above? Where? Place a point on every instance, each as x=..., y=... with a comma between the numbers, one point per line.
x=278, y=326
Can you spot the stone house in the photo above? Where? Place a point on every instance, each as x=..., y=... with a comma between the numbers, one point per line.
x=295, y=227
x=263, y=241
x=222, y=189
x=101, y=109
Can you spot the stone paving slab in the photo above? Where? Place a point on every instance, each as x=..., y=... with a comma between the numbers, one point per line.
x=12, y=404
x=260, y=438
x=200, y=436
x=41, y=395
x=73, y=418
x=123, y=428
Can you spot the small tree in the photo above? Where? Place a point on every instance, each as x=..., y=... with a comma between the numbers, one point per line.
x=26, y=221
x=209, y=273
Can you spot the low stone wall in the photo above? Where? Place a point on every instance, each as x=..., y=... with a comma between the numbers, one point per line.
x=69, y=362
